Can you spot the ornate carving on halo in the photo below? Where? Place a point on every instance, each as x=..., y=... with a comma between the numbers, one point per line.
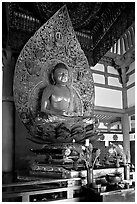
x=53, y=43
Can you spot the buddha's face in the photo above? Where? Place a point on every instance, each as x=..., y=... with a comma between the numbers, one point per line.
x=61, y=76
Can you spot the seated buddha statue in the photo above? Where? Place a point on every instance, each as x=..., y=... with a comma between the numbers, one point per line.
x=59, y=99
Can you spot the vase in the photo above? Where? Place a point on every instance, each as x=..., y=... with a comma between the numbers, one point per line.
x=89, y=180
x=117, y=163
x=127, y=172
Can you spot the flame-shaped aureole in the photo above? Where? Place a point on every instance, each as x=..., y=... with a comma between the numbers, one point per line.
x=52, y=43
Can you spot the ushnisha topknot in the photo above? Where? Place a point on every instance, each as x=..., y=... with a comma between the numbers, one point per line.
x=60, y=65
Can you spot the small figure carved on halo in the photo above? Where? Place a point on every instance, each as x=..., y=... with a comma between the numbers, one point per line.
x=59, y=99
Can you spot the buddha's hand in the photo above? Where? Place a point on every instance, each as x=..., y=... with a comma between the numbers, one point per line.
x=71, y=114
x=66, y=113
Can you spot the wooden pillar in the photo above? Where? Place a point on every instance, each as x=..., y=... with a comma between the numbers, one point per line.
x=124, y=92
x=126, y=144
x=125, y=124
x=7, y=112
x=125, y=119
x=7, y=135
x=126, y=136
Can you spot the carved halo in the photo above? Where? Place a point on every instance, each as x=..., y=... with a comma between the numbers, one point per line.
x=54, y=42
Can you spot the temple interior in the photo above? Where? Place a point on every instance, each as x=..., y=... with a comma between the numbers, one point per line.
x=81, y=147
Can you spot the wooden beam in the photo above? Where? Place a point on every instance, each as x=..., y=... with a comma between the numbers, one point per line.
x=109, y=111
x=130, y=73
x=97, y=72
x=130, y=86
x=130, y=111
x=105, y=74
x=108, y=86
x=8, y=98
x=38, y=182
x=68, y=200
x=112, y=131
x=111, y=55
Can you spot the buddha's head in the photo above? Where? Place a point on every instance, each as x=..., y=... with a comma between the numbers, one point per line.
x=60, y=74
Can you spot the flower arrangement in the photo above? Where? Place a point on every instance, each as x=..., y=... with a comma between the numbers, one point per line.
x=86, y=154
x=118, y=155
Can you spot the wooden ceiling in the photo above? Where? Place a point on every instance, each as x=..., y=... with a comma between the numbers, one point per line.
x=98, y=25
